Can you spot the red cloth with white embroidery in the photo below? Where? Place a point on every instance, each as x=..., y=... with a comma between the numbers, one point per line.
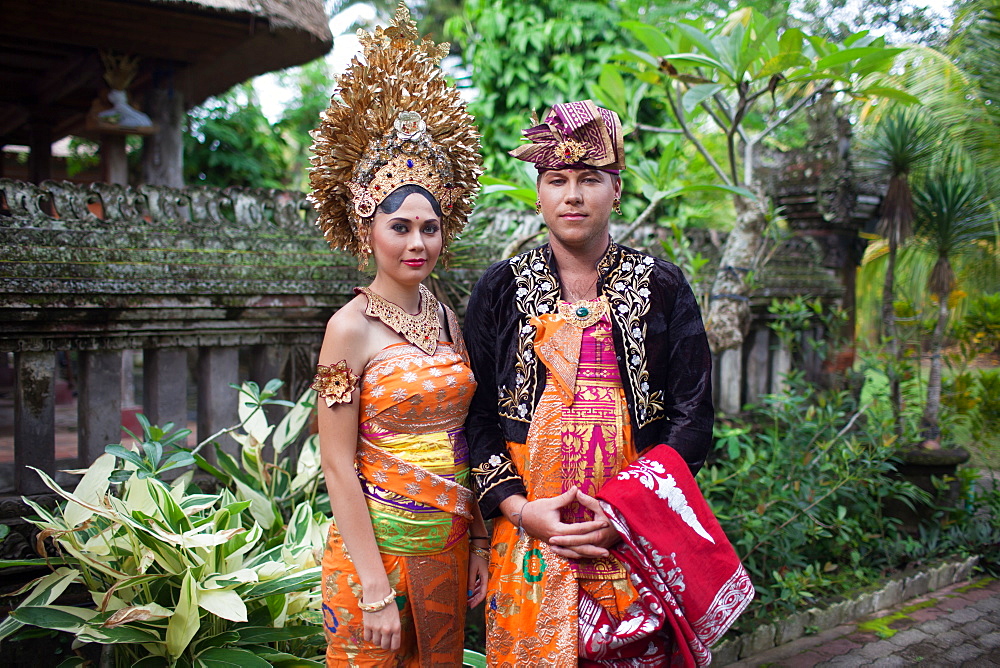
x=691, y=584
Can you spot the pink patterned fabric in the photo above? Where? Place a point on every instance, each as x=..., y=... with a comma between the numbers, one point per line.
x=691, y=584
x=575, y=135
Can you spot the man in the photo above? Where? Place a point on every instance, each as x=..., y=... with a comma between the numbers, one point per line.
x=588, y=355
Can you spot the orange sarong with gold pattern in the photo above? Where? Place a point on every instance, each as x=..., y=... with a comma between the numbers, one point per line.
x=580, y=436
x=413, y=463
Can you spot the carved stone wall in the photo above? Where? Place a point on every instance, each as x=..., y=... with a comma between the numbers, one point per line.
x=111, y=267
x=210, y=285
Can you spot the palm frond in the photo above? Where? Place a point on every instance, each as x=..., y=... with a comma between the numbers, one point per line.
x=952, y=216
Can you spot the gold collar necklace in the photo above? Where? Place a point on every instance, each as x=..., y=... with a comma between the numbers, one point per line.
x=421, y=329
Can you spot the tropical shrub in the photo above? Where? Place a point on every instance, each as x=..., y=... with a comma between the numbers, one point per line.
x=801, y=485
x=263, y=474
x=982, y=320
x=179, y=577
x=804, y=482
x=799, y=489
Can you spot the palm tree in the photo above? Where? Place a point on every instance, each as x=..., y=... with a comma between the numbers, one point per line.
x=902, y=142
x=952, y=217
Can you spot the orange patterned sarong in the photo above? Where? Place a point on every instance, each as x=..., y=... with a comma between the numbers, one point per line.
x=580, y=436
x=412, y=461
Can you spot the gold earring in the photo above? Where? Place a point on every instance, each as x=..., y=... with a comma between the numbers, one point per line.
x=364, y=252
x=617, y=206
x=538, y=206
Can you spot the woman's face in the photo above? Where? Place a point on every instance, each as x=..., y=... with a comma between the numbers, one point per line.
x=576, y=204
x=406, y=244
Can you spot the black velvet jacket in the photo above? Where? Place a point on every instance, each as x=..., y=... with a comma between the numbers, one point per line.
x=663, y=359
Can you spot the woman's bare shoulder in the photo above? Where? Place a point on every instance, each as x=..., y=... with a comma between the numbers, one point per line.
x=348, y=332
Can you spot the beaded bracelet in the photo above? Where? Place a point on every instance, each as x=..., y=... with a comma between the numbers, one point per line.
x=375, y=607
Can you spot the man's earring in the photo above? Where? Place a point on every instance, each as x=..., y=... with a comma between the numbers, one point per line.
x=617, y=206
x=538, y=206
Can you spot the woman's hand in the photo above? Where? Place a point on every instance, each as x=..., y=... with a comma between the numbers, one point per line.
x=478, y=578
x=383, y=628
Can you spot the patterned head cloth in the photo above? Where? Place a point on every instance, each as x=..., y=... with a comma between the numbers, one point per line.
x=575, y=135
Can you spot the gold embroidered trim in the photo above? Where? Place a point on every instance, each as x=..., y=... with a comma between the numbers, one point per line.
x=335, y=383
x=585, y=312
x=537, y=294
x=498, y=469
x=627, y=288
x=421, y=329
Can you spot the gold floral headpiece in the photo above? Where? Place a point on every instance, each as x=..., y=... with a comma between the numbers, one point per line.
x=393, y=121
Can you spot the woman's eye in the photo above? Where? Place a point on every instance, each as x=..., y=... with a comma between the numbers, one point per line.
x=400, y=228
x=430, y=229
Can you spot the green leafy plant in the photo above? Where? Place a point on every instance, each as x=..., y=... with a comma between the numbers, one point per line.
x=157, y=453
x=799, y=486
x=272, y=486
x=179, y=577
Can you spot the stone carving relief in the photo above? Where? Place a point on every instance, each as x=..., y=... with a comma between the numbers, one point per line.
x=56, y=203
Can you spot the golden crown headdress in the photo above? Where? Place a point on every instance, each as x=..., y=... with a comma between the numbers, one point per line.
x=393, y=121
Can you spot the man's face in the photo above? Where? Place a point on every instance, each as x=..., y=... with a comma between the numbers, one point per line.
x=576, y=204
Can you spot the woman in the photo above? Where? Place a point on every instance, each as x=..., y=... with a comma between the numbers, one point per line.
x=393, y=179
x=594, y=383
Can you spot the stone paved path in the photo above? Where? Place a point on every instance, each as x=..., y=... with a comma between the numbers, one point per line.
x=954, y=627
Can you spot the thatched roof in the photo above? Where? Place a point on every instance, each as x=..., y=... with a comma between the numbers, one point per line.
x=51, y=71
x=304, y=15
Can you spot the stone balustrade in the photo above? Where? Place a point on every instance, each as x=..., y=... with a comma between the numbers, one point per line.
x=212, y=286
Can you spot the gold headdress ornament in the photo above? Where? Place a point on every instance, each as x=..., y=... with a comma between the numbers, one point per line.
x=393, y=121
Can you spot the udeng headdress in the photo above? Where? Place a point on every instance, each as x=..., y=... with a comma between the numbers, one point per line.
x=393, y=121
x=575, y=134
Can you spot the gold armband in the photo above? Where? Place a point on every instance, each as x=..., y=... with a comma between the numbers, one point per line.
x=335, y=383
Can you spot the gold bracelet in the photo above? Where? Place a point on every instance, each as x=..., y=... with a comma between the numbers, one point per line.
x=375, y=607
x=480, y=552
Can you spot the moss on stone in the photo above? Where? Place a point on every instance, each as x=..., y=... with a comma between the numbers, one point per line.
x=978, y=584
x=882, y=626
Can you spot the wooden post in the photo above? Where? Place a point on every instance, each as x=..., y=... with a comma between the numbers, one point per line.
x=164, y=386
x=99, y=407
x=730, y=380
x=114, y=161
x=40, y=158
x=163, y=152
x=217, y=401
x=34, y=419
